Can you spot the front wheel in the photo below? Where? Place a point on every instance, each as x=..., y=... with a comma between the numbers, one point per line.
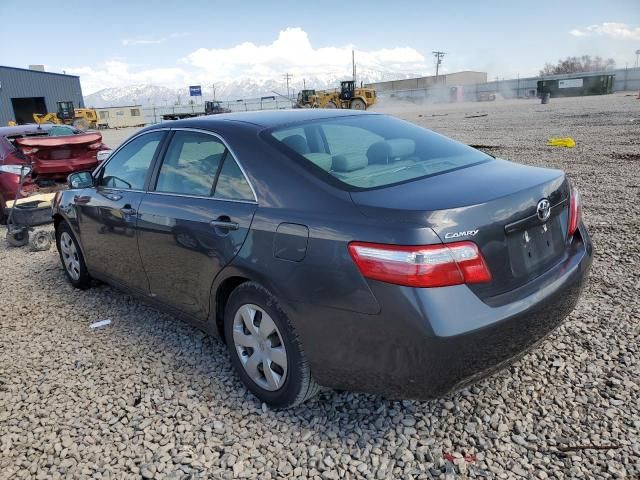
x=264, y=349
x=71, y=257
x=358, y=104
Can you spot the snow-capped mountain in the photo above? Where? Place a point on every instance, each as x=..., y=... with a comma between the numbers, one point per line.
x=245, y=88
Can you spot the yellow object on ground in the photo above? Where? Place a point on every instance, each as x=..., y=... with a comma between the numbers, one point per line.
x=43, y=199
x=562, y=142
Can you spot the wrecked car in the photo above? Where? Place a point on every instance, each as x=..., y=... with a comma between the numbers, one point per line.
x=52, y=152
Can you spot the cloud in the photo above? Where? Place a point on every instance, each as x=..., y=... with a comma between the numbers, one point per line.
x=153, y=41
x=615, y=30
x=116, y=73
x=292, y=52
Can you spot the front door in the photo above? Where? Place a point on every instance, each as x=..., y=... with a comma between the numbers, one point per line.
x=194, y=221
x=108, y=213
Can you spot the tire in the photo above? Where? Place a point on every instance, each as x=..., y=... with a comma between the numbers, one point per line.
x=358, y=104
x=81, y=124
x=19, y=238
x=330, y=105
x=40, y=241
x=280, y=372
x=3, y=217
x=71, y=257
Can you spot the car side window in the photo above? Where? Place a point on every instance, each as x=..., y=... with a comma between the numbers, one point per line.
x=127, y=168
x=232, y=184
x=190, y=164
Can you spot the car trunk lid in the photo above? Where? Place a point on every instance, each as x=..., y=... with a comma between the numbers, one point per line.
x=493, y=204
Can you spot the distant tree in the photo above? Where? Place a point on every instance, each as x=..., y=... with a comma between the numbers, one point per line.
x=584, y=63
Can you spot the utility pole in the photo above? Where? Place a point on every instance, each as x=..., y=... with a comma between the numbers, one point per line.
x=287, y=77
x=304, y=84
x=637, y=55
x=353, y=65
x=439, y=56
x=213, y=89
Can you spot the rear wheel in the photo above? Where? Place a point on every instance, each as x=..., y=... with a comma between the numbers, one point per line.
x=264, y=349
x=71, y=257
x=330, y=105
x=358, y=104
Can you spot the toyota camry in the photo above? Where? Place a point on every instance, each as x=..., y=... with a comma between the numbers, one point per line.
x=341, y=249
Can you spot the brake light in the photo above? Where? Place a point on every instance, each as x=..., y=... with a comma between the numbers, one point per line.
x=421, y=266
x=29, y=150
x=575, y=211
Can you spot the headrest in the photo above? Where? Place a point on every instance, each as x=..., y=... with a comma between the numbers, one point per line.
x=390, y=150
x=349, y=162
x=323, y=160
x=297, y=143
x=401, y=147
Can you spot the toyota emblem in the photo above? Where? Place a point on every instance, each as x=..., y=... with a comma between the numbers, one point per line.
x=543, y=210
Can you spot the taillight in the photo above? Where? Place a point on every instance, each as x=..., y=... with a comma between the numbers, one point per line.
x=29, y=151
x=421, y=266
x=575, y=211
x=95, y=146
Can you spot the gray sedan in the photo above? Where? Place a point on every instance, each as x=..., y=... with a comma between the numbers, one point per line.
x=332, y=248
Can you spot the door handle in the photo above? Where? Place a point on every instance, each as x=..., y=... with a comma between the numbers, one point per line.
x=225, y=223
x=128, y=211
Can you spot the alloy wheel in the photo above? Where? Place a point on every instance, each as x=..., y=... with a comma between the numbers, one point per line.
x=260, y=347
x=70, y=256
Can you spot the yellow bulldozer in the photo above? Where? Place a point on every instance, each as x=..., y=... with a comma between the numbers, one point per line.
x=80, y=118
x=350, y=96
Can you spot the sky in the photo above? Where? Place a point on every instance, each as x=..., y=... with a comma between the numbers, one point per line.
x=118, y=43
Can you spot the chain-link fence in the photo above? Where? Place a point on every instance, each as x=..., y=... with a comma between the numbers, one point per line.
x=155, y=114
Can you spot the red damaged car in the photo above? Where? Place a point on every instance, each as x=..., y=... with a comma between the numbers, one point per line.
x=52, y=151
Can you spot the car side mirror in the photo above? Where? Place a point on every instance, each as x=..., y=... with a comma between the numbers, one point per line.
x=80, y=180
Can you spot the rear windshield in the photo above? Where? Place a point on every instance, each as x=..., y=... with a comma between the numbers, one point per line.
x=371, y=151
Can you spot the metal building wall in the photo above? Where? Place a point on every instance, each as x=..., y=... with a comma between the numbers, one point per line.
x=54, y=87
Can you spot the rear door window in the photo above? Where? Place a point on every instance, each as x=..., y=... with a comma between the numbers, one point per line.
x=232, y=184
x=191, y=164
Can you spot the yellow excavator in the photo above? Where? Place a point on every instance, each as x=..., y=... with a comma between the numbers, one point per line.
x=81, y=118
x=350, y=96
x=307, y=99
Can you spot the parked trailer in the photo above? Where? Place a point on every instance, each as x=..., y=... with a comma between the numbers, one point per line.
x=577, y=86
x=210, y=108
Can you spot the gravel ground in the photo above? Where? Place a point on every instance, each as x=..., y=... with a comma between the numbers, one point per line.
x=150, y=396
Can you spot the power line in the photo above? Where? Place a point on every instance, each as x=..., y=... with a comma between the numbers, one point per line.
x=439, y=56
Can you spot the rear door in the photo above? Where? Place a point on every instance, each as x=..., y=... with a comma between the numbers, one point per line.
x=194, y=219
x=108, y=213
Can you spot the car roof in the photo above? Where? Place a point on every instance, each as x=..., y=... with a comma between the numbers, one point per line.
x=266, y=118
x=23, y=129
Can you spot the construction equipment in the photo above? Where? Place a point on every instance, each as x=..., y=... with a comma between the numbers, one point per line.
x=307, y=99
x=80, y=118
x=350, y=96
x=214, y=108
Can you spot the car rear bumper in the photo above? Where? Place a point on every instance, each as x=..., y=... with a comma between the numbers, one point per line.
x=62, y=168
x=426, y=342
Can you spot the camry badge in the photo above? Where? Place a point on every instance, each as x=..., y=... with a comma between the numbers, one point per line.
x=468, y=233
x=543, y=210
